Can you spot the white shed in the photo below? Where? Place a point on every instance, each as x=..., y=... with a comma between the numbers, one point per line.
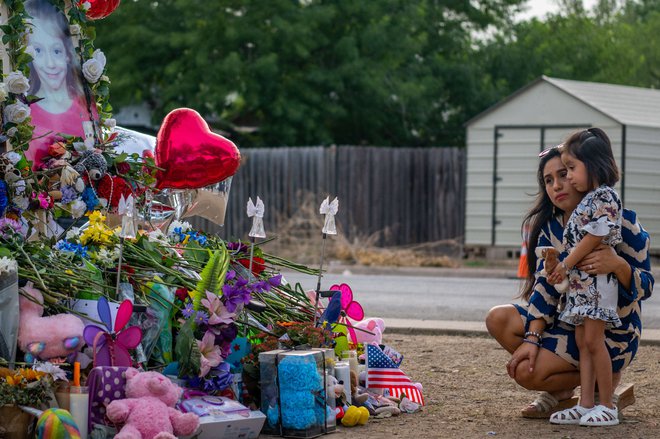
x=503, y=144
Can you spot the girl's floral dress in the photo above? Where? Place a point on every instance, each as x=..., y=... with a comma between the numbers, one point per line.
x=593, y=296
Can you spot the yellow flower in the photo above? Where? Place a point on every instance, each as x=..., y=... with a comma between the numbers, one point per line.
x=68, y=271
x=96, y=218
x=13, y=380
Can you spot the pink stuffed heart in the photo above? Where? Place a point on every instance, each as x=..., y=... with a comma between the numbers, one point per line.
x=190, y=154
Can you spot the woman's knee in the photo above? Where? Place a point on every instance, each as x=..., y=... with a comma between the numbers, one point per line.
x=525, y=378
x=497, y=320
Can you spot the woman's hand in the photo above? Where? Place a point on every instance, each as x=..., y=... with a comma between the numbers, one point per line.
x=526, y=351
x=602, y=260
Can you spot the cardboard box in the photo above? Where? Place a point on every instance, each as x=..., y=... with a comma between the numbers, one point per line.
x=231, y=425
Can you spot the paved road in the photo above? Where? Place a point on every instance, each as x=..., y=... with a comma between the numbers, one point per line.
x=433, y=297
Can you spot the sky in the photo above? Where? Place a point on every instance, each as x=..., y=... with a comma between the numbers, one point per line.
x=539, y=8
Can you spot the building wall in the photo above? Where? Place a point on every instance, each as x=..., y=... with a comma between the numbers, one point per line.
x=642, y=178
x=540, y=105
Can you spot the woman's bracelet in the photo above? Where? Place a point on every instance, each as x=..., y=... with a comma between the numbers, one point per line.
x=537, y=344
x=539, y=339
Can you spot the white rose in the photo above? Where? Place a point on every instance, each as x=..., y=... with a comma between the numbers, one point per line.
x=17, y=83
x=105, y=79
x=16, y=113
x=100, y=57
x=12, y=156
x=93, y=67
x=78, y=208
x=11, y=132
x=3, y=91
x=74, y=29
x=110, y=123
x=86, y=6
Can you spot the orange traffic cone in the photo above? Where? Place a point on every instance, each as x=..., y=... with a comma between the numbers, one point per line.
x=523, y=271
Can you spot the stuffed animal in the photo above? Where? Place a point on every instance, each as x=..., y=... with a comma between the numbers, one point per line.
x=148, y=411
x=40, y=337
x=91, y=164
x=551, y=257
x=373, y=325
x=355, y=416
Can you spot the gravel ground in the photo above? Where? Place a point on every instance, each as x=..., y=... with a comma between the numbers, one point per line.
x=469, y=395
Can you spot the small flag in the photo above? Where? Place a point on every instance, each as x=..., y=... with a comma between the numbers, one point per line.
x=383, y=373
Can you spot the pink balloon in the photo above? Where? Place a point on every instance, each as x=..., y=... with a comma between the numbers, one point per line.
x=190, y=154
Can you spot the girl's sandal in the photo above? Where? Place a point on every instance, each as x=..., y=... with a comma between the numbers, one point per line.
x=545, y=405
x=624, y=396
x=600, y=416
x=573, y=415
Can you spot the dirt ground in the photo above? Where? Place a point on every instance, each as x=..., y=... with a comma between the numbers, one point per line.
x=469, y=395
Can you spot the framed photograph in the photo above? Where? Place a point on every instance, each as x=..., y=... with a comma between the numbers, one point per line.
x=65, y=104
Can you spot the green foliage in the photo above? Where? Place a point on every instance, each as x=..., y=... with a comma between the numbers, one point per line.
x=212, y=276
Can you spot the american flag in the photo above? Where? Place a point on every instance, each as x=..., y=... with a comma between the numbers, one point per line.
x=383, y=373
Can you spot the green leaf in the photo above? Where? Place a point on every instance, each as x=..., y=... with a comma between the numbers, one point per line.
x=212, y=276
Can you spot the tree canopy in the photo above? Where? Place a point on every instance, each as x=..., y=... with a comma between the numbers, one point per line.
x=386, y=72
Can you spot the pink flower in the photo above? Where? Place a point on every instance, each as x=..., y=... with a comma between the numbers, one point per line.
x=210, y=353
x=217, y=311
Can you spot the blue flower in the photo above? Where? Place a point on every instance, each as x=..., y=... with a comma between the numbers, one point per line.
x=201, y=318
x=90, y=198
x=69, y=194
x=188, y=311
x=69, y=247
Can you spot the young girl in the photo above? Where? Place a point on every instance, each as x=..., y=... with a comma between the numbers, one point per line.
x=592, y=299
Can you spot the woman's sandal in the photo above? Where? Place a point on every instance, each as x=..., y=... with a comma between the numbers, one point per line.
x=573, y=415
x=545, y=405
x=600, y=416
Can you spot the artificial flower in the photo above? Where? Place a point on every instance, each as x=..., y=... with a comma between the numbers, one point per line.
x=74, y=29
x=218, y=313
x=3, y=91
x=56, y=149
x=68, y=176
x=78, y=208
x=210, y=353
x=17, y=83
x=93, y=67
x=7, y=265
x=109, y=123
x=51, y=369
x=16, y=112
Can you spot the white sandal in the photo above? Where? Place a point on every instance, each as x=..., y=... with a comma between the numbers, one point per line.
x=600, y=416
x=573, y=415
x=546, y=404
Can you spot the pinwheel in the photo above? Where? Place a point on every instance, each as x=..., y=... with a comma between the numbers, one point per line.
x=111, y=346
x=349, y=308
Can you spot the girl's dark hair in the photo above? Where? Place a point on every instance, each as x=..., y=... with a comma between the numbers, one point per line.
x=541, y=212
x=593, y=148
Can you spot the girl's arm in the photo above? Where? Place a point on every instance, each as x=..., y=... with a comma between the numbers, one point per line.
x=586, y=245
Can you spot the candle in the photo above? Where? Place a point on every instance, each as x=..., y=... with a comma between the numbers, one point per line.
x=76, y=374
x=79, y=407
x=343, y=373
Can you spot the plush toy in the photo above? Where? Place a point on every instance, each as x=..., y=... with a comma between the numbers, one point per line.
x=355, y=416
x=551, y=257
x=148, y=411
x=46, y=337
x=91, y=164
x=358, y=396
x=373, y=325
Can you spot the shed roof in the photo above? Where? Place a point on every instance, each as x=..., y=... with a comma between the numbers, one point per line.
x=627, y=105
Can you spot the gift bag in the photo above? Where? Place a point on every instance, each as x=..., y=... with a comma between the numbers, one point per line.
x=106, y=383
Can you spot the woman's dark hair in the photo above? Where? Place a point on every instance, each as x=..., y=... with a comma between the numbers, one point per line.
x=593, y=148
x=541, y=212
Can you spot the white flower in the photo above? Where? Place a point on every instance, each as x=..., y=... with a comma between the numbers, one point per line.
x=86, y=5
x=93, y=67
x=20, y=201
x=104, y=78
x=78, y=208
x=3, y=91
x=110, y=123
x=7, y=265
x=157, y=236
x=16, y=113
x=11, y=132
x=74, y=29
x=73, y=234
x=12, y=156
x=69, y=176
x=51, y=369
x=80, y=185
x=17, y=83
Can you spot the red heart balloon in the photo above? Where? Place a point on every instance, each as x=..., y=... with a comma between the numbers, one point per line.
x=100, y=8
x=190, y=154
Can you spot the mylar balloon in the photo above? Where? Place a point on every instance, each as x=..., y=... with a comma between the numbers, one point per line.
x=209, y=202
x=100, y=8
x=190, y=155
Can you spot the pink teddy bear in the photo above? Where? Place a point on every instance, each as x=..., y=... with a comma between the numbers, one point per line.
x=375, y=325
x=148, y=411
x=59, y=335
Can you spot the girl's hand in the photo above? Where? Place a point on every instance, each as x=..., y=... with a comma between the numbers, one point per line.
x=526, y=351
x=602, y=260
x=556, y=276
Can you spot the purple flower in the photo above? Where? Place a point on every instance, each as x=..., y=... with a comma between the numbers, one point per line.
x=10, y=227
x=201, y=318
x=218, y=313
x=260, y=286
x=235, y=296
x=188, y=311
x=219, y=378
x=237, y=246
x=231, y=275
x=275, y=281
x=69, y=194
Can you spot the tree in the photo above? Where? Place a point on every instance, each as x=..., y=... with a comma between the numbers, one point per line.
x=307, y=72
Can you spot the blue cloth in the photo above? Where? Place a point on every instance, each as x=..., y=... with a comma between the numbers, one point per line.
x=545, y=302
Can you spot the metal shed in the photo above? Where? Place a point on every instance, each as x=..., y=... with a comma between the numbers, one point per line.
x=503, y=143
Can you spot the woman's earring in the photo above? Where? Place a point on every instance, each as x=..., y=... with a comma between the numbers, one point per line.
x=554, y=211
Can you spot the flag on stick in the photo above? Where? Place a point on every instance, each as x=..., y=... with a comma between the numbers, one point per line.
x=383, y=373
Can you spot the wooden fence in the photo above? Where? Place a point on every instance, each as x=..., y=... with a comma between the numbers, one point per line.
x=415, y=194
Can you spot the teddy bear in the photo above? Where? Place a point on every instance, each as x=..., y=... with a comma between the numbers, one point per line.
x=60, y=335
x=374, y=325
x=551, y=257
x=148, y=411
x=91, y=164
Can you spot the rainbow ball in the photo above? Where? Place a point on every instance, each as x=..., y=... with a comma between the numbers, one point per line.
x=57, y=424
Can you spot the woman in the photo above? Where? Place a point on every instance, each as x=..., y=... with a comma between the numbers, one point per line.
x=55, y=77
x=553, y=367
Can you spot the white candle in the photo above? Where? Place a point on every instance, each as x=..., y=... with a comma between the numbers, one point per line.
x=79, y=408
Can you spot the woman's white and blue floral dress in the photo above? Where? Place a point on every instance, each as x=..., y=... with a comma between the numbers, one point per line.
x=593, y=296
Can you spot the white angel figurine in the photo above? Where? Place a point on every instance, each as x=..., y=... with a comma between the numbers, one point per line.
x=329, y=210
x=256, y=212
x=126, y=209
